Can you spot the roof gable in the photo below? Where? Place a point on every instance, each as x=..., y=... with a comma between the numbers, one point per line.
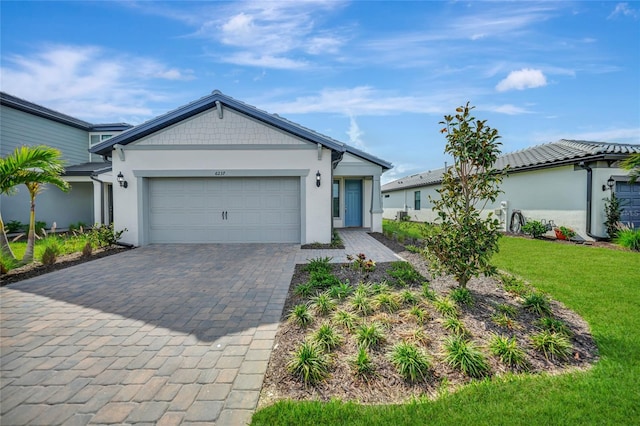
x=218, y=100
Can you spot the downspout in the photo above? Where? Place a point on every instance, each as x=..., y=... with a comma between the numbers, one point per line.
x=93, y=178
x=589, y=201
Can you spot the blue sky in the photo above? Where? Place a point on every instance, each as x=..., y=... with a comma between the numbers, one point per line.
x=377, y=75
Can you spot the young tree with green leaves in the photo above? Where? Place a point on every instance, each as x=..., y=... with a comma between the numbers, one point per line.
x=34, y=167
x=466, y=240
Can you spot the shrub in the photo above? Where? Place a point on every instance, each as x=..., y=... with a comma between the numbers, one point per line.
x=309, y=363
x=361, y=263
x=629, y=238
x=504, y=320
x=7, y=262
x=14, y=226
x=340, y=291
x=535, y=228
x=420, y=314
x=404, y=273
x=387, y=302
x=323, y=280
x=361, y=303
x=508, y=351
x=613, y=213
x=319, y=264
x=323, y=304
x=77, y=226
x=104, y=235
x=345, y=319
x=465, y=356
x=362, y=364
x=409, y=298
x=379, y=288
x=506, y=309
x=554, y=325
x=428, y=292
x=446, y=307
x=52, y=249
x=552, y=345
x=410, y=361
x=461, y=296
x=537, y=303
x=455, y=326
x=305, y=289
x=301, y=315
x=513, y=285
x=369, y=335
x=327, y=338
x=413, y=249
x=87, y=249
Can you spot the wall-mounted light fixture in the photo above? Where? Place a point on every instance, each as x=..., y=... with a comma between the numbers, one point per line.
x=123, y=183
x=609, y=185
x=318, y=179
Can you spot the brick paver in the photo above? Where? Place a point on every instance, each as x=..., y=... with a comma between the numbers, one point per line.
x=166, y=334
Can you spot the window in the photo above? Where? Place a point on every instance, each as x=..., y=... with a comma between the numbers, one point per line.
x=336, y=198
x=416, y=200
x=96, y=138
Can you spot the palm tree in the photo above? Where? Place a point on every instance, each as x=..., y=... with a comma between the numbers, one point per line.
x=632, y=163
x=33, y=166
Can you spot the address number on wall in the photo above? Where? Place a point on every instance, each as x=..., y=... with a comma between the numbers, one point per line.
x=219, y=173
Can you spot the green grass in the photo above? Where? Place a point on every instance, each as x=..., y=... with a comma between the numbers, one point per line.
x=69, y=245
x=600, y=284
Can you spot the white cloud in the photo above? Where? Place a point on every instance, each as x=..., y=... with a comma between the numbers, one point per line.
x=365, y=100
x=271, y=34
x=525, y=78
x=507, y=109
x=87, y=82
x=355, y=134
x=619, y=135
x=624, y=10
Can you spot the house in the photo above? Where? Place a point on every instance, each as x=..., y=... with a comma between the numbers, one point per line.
x=25, y=123
x=565, y=182
x=219, y=170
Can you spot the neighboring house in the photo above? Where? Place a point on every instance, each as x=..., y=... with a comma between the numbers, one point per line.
x=219, y=170
x=25, y=123
x=565, y=182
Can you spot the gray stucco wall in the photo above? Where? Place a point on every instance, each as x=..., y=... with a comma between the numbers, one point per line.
x=18, y=128
x=52, y=205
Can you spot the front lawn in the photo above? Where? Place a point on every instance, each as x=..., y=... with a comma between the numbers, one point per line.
x=600, y=284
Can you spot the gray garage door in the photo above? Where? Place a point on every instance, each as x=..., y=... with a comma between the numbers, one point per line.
x=630, y=199
x=224, y=210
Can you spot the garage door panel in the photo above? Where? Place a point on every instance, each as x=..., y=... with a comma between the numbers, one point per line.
x=183, y=210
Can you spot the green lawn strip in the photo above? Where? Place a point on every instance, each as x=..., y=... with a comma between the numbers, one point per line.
x=73, y=244
x=600, y=284
x=404, y=230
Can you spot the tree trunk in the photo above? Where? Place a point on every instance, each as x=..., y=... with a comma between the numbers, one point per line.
x=31, y=238
x=4, y=242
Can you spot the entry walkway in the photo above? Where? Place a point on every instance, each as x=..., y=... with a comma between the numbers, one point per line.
x=355, y=241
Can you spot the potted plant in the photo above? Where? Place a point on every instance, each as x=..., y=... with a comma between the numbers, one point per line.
x=564, y=233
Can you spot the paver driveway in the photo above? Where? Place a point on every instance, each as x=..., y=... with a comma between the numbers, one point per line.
x=161, y=334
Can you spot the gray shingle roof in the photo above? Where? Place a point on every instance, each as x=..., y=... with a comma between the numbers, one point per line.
x=35, y=109
x=87, y=169
x=208, y=102
x=540, y=156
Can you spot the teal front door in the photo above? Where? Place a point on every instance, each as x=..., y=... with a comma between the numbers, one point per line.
x=353, y=203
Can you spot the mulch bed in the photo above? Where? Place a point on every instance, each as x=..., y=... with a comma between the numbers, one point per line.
x=386, y=386
x=37, y=268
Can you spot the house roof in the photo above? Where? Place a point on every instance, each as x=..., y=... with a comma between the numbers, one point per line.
x=209, y=102
x=87, y=169
x=35, y=109
x=541, y=156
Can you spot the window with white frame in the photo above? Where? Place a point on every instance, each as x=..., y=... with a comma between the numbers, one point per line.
x=416, y=200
